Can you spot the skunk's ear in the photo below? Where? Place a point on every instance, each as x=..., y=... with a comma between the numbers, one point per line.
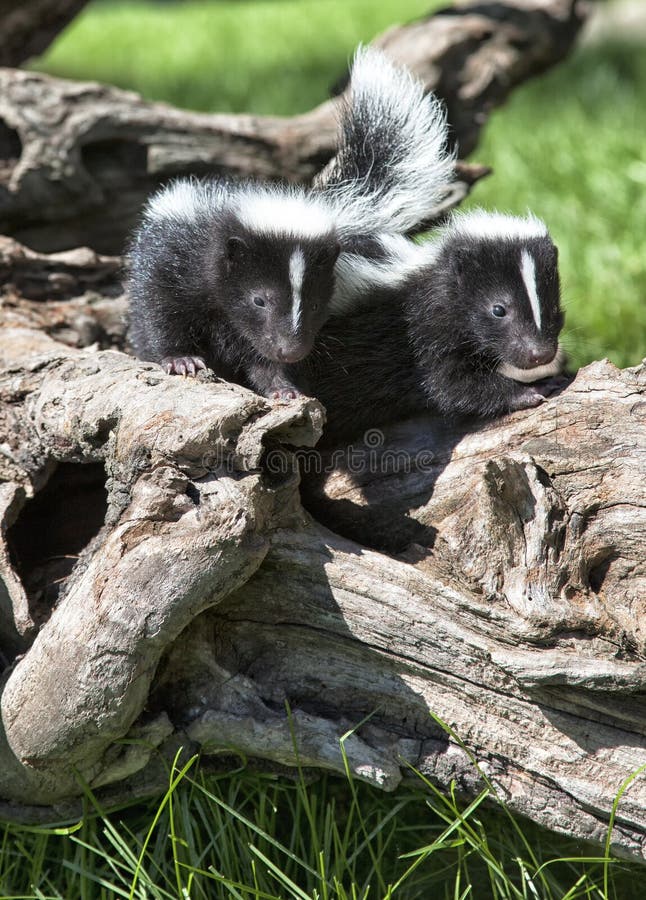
x=459, y=257
x=236, y=249
x=325, y=257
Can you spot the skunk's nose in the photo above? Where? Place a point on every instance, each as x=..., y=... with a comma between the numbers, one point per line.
x=539, y=357
x=290, y=354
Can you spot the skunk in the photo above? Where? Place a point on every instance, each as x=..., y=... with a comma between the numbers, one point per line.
x=240, y=276
x=464, y=332
x=393, y=166
x=237, y=277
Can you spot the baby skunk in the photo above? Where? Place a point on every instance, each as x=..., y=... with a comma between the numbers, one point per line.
x=237, y=277
x=241, y=276
x=461, y=331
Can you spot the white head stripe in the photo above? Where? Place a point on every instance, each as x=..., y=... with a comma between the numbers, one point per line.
x=480, y=223
x=528, y=271
x=267, y=209
x=185, y=200
x=296, y=272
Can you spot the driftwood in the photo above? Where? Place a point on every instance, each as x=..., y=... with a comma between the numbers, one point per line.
x=173, y=572
x=78, y=159
x=76, y=296
x=209, y=597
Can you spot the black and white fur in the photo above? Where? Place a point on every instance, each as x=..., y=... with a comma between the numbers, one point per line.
x=393, y=165
x=239, y=277
x=370, y=267
x=462, y=334
x=236, y=277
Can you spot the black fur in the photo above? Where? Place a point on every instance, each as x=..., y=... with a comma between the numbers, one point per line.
x=196, y=279
x=370, y=149
x=433, y=344
x=195, y=290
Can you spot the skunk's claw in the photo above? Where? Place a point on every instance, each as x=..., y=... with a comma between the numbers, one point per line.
x=183, y=365
x=527, y=399
x=286, y=393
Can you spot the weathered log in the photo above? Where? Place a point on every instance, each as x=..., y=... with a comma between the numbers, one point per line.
x=78, y=159
x=27, y=27
x=209, y=599
x=76, y=296
x=108, y=631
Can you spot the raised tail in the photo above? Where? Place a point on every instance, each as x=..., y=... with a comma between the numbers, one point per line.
x=393, y=166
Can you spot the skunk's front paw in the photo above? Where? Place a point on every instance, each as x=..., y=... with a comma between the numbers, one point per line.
x=182, y=365
x=526, y=399
x=285, y=393
x=553, y=385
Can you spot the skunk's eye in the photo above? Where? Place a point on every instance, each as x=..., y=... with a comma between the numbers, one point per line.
x=258, y=301
x=499, y=311
x=315, y=306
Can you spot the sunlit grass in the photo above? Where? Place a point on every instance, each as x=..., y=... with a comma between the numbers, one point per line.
x=261, y=56
x=258, y=836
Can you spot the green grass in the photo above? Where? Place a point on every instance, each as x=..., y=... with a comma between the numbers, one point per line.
x=569, y=145
x=255, y=836
x=260, y=56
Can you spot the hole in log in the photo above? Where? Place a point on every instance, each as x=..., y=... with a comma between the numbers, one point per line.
x=10, y=148
x=115, y=162
x=598, y=572
x=120, y=168
x=53, y=528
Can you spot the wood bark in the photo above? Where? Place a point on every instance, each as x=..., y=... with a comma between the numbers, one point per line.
x=27, y=27
x=78, y=159
x=76, y=296
x=210, y=599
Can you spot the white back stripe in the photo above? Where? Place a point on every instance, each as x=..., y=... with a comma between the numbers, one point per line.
x=296, y=273
x=278, y=210
x=358, y=277
x=528, y=271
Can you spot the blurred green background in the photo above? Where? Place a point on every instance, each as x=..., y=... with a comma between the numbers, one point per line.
x=570, y=145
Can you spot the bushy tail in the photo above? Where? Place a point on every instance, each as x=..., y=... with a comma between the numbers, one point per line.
x=393, y=166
